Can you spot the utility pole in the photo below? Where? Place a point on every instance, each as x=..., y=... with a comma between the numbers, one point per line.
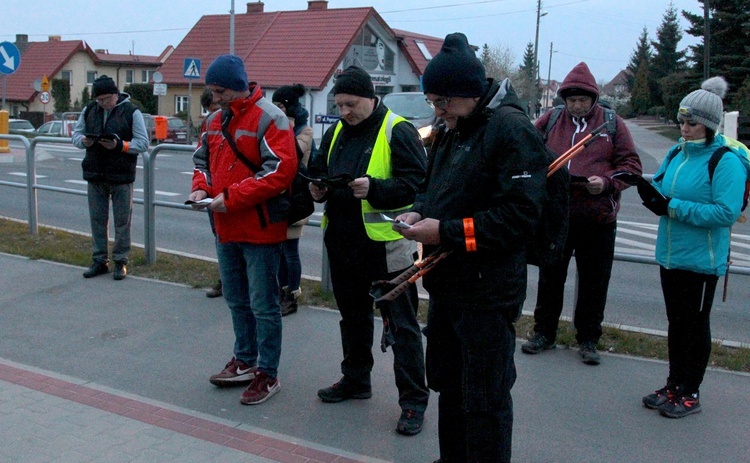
x=231, y=29
x=706, y=40
x=535, y=85
x=549, y=75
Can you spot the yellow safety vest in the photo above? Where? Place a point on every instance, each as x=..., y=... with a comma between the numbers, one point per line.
x=379, y=167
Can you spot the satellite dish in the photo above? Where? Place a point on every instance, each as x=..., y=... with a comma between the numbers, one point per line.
x=38, y=85
x=157, y=77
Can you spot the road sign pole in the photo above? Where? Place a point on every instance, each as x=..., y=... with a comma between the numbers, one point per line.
x=3, y=105
x=189, y=118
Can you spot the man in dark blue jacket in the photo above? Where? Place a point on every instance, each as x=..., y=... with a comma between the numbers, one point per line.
x=482, y=199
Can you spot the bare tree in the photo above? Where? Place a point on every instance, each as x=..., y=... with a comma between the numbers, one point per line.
x=499, y=61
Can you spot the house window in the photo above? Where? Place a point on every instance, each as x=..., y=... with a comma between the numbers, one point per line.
x=423, y=48
x=90, y=77
x=180, y=103
x=146, y=76
x=67, y=75
x=129, y=76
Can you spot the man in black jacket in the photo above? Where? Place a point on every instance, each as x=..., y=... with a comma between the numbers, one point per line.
x=482, y=199
x=382, y=155
x=112, y=131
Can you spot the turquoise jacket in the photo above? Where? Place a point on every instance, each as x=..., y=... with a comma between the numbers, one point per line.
x=695, y=235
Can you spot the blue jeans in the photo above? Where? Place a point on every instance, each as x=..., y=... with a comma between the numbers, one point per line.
x=470, y=363
x=99, y=195
x=290, y=271
x=248, y=276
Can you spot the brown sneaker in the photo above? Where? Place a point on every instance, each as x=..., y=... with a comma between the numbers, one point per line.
x=260, y=390
x=235, y=373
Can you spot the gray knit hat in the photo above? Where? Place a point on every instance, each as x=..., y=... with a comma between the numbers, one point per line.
x=704, y=106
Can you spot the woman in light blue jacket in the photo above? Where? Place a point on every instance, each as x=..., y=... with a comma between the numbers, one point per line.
x=692, y=243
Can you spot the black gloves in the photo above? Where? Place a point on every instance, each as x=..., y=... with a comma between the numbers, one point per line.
x=652, y=199
x=119, y=146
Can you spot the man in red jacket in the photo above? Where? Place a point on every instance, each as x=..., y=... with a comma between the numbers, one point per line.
x=594, y=203
x=249, y=149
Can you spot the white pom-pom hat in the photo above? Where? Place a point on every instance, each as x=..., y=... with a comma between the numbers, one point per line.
x=704, y=106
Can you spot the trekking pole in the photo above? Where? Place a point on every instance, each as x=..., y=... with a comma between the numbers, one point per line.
x=726, y=275
x=575, y=150
x=388, y=290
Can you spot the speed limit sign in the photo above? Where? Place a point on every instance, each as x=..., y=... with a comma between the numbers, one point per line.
x=44, y=97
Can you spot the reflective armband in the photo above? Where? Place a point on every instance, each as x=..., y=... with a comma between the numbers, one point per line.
x=471, y=242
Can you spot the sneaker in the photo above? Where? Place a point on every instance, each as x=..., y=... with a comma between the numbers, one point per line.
x=120, y=271
x=537, y=343
x=215, y=291
x=658, y=398
x=410, y=422
x=289, y=302
x=680, y=406
x=96, y=269
x=588, y=353
x=343, y=390
x=235, y=373
x=260, y=390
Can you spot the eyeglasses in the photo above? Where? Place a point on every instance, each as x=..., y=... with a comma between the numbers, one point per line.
x=103, y=99
x=440, y=103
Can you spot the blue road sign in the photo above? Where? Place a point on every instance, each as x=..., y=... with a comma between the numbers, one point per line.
x=10, y=58
x=192, y=69
x=326, y=119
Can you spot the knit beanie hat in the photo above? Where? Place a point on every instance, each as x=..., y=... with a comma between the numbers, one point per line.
x=455, y=70
x=354, y=81
x=289, y=96
x=704, y=106
x=104, y=85
x=227, y=71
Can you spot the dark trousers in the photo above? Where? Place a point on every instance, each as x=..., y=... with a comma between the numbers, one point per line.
x=351, y=280
x=688, y=297
x=470, y=363
x=594, y=247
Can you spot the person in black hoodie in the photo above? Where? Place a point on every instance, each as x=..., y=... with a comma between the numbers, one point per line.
x=383, y=158
x=483, y=197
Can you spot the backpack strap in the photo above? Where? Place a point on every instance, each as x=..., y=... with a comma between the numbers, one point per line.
x=553, y=117
x=714, y=161
x=610, y=118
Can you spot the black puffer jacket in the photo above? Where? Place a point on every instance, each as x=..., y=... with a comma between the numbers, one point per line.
x=491, y=168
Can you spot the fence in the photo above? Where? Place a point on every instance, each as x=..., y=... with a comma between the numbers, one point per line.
x=150, y=203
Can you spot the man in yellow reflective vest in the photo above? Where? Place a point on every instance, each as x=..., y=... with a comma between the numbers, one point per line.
x=383, y=156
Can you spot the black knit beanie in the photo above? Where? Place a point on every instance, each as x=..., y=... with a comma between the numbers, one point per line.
x=354, y=81
x=455, y=70
x=289, y=96
x=104, y=85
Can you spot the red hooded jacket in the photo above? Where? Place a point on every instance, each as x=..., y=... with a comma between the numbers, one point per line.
x=602, y=158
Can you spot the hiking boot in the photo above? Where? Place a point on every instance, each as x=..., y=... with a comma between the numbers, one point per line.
x=260, y=390
x=289, y=301
x=410, y=422
x=96, y=269
x=343, y=390
x=681, y=405
x=588, y=353
x=235, y=373
x=536, y=344
x=215, y=291
x=120, y=271
x=658, y=398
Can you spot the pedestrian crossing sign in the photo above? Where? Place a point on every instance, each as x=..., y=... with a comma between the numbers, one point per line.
x=192, y=69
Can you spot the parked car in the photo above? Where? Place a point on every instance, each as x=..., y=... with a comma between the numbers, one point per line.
x=413, y=107
x=56, y=129
x=176, y=130
x=20, y=126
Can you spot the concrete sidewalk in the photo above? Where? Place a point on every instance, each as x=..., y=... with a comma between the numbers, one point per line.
x=106, y=371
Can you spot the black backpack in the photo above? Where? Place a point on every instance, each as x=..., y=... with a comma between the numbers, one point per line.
x=610, y=117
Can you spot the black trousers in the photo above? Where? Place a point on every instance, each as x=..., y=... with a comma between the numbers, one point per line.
x=688, y=297
x=352, y=276
x=470, y=363
x=594, y=247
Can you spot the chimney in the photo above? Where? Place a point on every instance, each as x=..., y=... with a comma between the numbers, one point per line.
x=22, y=42
x=317, y=5
x=254, y=7
x=55, y=38
x=101, y=51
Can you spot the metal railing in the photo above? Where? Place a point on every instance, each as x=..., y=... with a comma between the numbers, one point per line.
x=149, y=202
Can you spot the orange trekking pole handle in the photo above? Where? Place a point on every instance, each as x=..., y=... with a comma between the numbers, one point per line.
x=575, y=150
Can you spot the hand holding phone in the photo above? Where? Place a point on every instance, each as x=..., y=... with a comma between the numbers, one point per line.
x=395, y=222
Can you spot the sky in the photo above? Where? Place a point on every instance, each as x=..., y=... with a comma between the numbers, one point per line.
x=603, y=33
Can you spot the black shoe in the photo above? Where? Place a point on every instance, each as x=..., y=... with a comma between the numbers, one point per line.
x=96, y=269
x=588, y=353
x=681, y=406
x=289, y=302
x=343, y=391
x=536, y=344
x=410, y=422
x=659, y=398
x=120, y=271
x=215, y=291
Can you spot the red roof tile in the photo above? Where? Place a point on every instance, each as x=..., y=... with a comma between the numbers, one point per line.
x=40, y=59
x=278, y=48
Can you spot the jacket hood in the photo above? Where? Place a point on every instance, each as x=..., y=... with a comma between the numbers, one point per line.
x=579, y=77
